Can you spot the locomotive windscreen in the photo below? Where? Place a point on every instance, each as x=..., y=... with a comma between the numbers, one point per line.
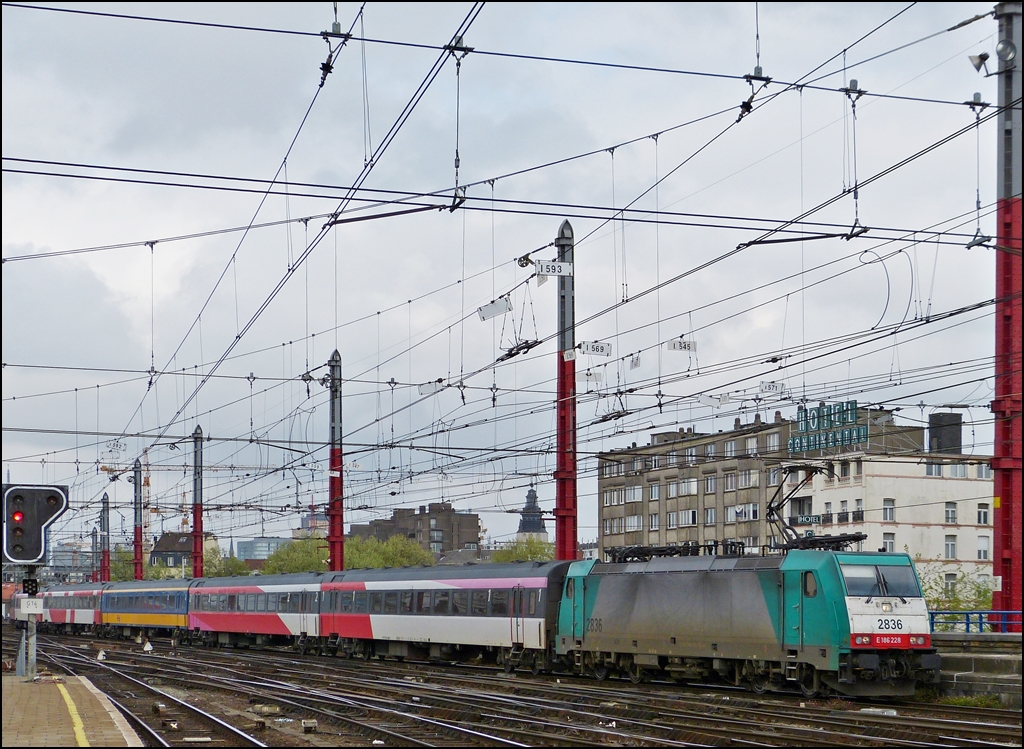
x=880, y=580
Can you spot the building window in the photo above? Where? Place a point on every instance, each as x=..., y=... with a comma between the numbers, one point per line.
x=655, y=462
x=844, y=469
x=858, y=467
x=950, y=547
x=729, y=482
x=750, y=446
x=653, y=521
x=433, y=522
x=983, y=547
x=634, y=493
x=888, y=510
x=889, y=542
x=774, y=476
x=958, y=470
x=436, y=548
x=634, y=523
x=709, y=483
x=437, y=536
x=638, y=464
x=690, y=455
x=688, y=517
x=671, y=520
x=673, y=459
x=951, y=513
x=858, y=511
x=730, y=449
x=672, y=489
x=933, y=469
x=709, y=516
x=794, y=477
x=709, y=450
x=730, y=514
x=748, y=478
x=688, y=488
x=984, y=471
x=949, y=585
x=607, y=526
x=608, y=497
x=772, y=442
x=983, y=513
x=654, y=491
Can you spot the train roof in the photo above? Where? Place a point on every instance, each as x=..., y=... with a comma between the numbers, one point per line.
x=452, y=572
x=74, y=587
x=294, y=578
x=689, y=564
x=176, y=583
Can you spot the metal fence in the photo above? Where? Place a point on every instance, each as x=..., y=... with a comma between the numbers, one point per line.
x=975, y=621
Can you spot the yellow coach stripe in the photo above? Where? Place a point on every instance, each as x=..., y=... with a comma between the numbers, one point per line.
x=76, y=719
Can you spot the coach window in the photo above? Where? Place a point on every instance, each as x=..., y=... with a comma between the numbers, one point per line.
x=346, y=601
x=533, y=602
x=422, y=601
x=499, y=603
x=810, y=585
x=441, y=598
x=391, y=602
x=405, y=604
x=479, y=603
x=232, y=601
x=360, y=604
x=261, y=602
x=376, y=603
x=460, y=602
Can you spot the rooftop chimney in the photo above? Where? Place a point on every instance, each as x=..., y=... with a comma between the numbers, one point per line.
x=945, y=432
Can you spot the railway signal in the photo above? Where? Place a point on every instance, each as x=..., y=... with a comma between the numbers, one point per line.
x=28, y=512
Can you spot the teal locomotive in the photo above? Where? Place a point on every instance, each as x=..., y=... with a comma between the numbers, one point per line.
x=851, y=622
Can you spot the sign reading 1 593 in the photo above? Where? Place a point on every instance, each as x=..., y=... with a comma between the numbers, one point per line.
x=553, y=268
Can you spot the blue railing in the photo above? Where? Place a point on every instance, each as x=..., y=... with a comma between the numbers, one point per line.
x=974, y=621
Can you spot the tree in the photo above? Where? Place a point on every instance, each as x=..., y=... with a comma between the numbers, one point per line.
x=960, y=591
x=303, y=555
x=224, y=567
x=122, y=567
x=525, y=550
x=397, y=551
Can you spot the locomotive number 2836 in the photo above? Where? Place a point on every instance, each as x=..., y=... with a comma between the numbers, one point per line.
x=890, y=624
x=594, y=625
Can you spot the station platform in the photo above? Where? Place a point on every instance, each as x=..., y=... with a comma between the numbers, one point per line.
x=61, y=711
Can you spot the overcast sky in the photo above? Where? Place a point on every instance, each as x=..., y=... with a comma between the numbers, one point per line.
x=828, y=318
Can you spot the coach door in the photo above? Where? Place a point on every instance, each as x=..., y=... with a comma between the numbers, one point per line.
x=309, y=612
x=518, y=614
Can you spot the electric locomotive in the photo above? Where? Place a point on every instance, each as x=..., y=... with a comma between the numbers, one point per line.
x=852, y=622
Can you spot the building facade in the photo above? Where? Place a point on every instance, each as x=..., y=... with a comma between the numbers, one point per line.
x=436, y=527
x=259, y=548
x=688, y=487
x=174, y=550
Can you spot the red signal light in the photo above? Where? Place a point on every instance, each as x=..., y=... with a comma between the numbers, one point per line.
x=18, y=516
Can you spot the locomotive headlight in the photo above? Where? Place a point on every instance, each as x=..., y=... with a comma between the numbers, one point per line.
x=887, y=607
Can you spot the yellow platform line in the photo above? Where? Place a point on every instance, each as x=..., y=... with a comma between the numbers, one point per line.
x=76, y=719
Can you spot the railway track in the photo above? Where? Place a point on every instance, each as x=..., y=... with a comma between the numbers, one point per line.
x=427, y=705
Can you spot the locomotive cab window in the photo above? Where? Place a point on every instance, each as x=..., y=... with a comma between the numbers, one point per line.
x=810, y=585
x=882, y=580
x=570, y=587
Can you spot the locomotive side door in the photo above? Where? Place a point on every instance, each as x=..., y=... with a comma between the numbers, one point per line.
x=792, y=610
x=518, y=614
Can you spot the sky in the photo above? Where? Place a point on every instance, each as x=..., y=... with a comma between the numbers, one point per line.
x=169, y=260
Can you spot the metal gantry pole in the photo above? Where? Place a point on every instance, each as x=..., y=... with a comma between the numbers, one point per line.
x=1006, y=461
x=565, y=412
x=138, y=519
x=197, y=503
x=94, y=562
x=105, y=540
x=335, y=486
